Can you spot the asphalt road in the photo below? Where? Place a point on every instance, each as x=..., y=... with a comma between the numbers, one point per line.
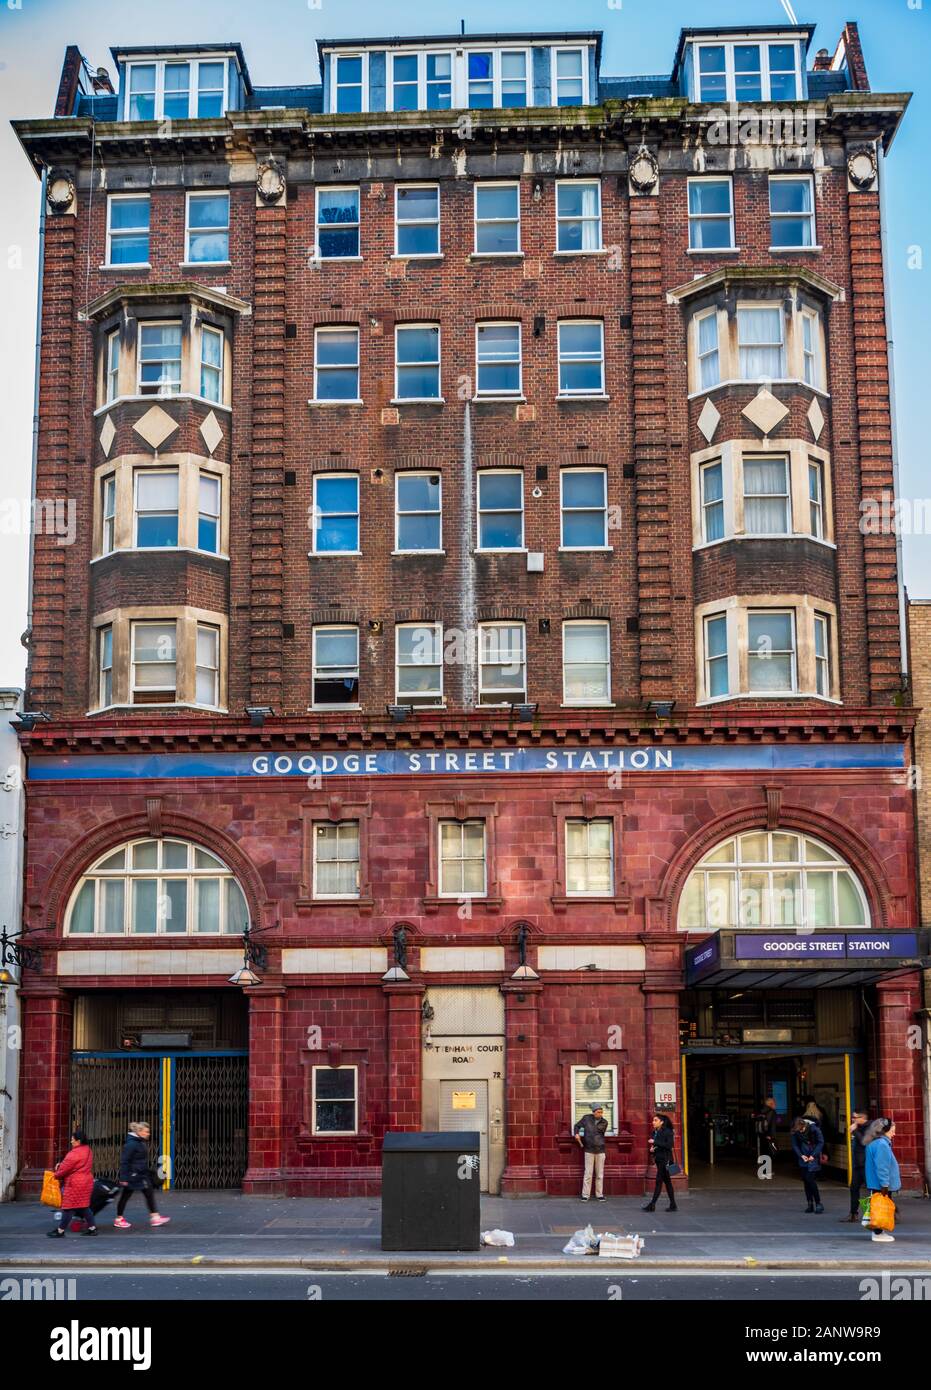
x=581, y=1287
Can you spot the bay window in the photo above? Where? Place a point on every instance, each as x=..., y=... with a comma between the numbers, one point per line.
x=156, y=509
x=211, y=363
x=207, y=669
x=154, y=662
x=767, y=505
x=159, y=368
x=761, y=343
x=771, y=652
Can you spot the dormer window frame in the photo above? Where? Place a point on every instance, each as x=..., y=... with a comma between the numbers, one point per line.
x=555, y=79
x=762, y=41
x=421, y=54
x=194, y=61
x=497, y=54
x=336, y=58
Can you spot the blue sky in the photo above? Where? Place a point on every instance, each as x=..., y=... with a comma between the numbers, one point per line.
x=279, y=39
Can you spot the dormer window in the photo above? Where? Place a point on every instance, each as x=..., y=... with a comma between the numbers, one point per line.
x=744, y=72
x=569, y=76
x=421, y=82
x=497, y=78
x=349, y=82
x=189, y=89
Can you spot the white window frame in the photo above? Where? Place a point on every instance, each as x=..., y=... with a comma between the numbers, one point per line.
x=338, y=826
x=555, y=79
x=134, y=689
x=705, y=505
x=816, y=501
x=813, y=320
x=416, y=511
x=417, y=222
x=319, y=332
x=786, y=460
x=701, y=357
x=752, y=40
x=792, y=652
x=517, y=393
x=112, y=367
x=696, y=218
x=315, y=669
x=313, y=1101
x=139, y=197
x=821, y=622
x=775, y=217
x=329, y=226
x=563, y=508
x=495, y=221
x=481, y=511
x=194, y=61
x=431, y=699
x=399, y=328
x=565, y=217
x=460, y=859
x=421, y=54
x=104, y=668
x=160, y=323
x=561, y=357
x=725, y=656
x=357, y=514
x=752, y=304
x=206, y=329
x=496, y=78
x=335, y=84
x=202, y=194
x=589, y=892
x=198, y=666
x=108, y=517
x=138, y=475
x=606, y=698
x=615, y=1099
x=511, y=697
x=204, y=475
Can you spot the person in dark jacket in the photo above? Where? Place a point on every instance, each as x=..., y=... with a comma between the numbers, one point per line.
x=590, y=1136
x=76, y=1174
x=807, y=1144
x=858, y=1124
x=766, y=1122
x=135, y=1176
x=661, y=1149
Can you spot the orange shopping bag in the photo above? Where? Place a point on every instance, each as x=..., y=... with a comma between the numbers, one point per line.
x=51, y=1189
x=882, y=1212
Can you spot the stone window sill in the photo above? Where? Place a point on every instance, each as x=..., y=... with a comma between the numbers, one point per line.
x=619, y=901
x=434, y=903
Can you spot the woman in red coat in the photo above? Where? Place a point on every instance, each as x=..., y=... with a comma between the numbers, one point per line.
x=76, y=1174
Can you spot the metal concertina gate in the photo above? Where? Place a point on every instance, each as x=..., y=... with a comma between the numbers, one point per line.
x=196, y=1104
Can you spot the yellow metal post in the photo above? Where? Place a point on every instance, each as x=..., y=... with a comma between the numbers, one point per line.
x=166, y=1123
x=847, y=1101
x=685, y=1123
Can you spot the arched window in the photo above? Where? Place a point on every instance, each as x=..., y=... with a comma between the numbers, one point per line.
x=772, y=879
x=157, y=888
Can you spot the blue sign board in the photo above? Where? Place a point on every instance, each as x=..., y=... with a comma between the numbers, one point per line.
x=824, y=945
x=468, y=762
x=700, y=959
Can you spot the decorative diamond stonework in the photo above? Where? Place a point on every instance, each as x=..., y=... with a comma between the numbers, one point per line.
x=765, y=411
x=211, y=432
x=107, y=436
x=816, y=419
x=155, y=426
x=709, y=419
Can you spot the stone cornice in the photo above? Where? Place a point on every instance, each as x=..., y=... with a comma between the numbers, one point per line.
x=661, y=119
x=144, y=294
x=745, y=276
x=182, y=733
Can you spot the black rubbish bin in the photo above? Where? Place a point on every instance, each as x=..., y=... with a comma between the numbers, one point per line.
x=431, y=1191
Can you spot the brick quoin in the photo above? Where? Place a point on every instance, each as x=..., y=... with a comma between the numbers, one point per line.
x=624, y=1006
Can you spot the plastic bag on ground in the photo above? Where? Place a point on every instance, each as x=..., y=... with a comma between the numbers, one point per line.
x=497, y=1237
x=582, y=1243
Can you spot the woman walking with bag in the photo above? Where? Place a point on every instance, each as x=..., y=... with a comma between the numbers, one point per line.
x=76, y=1173
x=661, y=1144
x=807, y=1144
x=135, y=1177
x=882, y=1169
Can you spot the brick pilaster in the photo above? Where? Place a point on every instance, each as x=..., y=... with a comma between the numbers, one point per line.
x=405, y=1056
x=523, y=1098
x=267, y=517
x=45, y=1086
x=898, y=1070
x=267, y=1008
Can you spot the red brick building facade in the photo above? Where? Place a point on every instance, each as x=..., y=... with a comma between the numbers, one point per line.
x=417, y=637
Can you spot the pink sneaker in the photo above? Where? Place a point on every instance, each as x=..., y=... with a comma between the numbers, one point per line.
x=122, y=1224
x=157, y=1220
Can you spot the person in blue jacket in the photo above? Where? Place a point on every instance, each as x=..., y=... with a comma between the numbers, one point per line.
x=807, y=1144
x=882, y=1166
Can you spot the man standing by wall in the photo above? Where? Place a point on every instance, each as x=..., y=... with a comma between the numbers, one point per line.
x=590, y=1136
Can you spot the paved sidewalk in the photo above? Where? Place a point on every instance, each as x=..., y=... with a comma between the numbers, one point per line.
x=711, y=1230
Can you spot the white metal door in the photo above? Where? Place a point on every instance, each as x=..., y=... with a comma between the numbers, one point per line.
x=464, y=1105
